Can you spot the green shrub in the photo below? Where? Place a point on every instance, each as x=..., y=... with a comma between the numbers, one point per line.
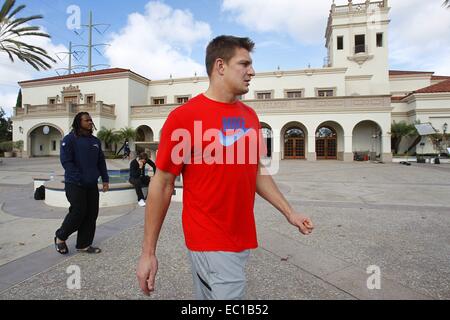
x=6, y=146
x=18, y=145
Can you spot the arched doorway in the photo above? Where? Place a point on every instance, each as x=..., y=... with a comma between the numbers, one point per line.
x=267, y=134
x=294, y=143
x=367, y=140
x=145, y=141
x=44, y=140
x=144, y=134
x=326, y=143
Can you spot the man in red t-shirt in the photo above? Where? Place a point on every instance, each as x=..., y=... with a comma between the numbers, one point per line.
x=215, y=142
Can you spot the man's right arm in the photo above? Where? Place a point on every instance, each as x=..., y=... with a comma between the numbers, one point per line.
x=158, y=200
x=67, y=158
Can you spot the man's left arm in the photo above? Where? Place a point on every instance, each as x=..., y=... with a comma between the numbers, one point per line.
x=101, y=164
x=268, y=190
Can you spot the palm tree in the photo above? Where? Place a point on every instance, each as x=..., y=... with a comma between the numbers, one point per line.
x=106, y=135
x=127, y=133
x=12, y=29
x=398, y=131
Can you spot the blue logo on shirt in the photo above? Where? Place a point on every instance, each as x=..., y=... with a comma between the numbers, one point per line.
x=235, y=126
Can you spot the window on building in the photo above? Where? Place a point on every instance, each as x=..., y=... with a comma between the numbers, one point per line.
x=181, y=100
x=51, y=100
x=360, y=43
x=158, y=101
x=264, y=95
x=379, y=39
x=90, y=98
x=340, y=42
x=325, y=93
x=53, y=145
x=292, y=94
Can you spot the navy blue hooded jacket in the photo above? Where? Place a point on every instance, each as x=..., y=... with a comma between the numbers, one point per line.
x=83, y=160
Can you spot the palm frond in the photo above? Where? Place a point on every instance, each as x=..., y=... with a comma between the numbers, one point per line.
x=16, y=11
x=12, y=29
x=5, y=9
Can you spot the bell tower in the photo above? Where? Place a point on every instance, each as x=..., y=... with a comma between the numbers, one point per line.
x=357, y=39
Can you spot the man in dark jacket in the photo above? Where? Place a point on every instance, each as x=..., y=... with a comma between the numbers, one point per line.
x=137, y=175
x=83, y=160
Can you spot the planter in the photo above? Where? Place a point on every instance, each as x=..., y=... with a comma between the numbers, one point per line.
x=18, y=154
x=8, y=154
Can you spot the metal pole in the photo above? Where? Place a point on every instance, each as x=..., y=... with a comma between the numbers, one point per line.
x=90, y=42
x=70, y=57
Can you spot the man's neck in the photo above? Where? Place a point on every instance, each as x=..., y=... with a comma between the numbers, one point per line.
x=84, y=132
x=220, y=95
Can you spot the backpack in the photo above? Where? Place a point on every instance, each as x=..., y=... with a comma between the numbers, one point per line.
x=39, y=193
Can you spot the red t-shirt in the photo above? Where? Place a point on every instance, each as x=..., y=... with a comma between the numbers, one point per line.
x=216, y=147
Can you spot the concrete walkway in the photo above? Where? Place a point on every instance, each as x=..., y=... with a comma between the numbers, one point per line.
x=390, y=216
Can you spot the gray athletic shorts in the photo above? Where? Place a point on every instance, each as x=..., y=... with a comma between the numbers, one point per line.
x=219, y=275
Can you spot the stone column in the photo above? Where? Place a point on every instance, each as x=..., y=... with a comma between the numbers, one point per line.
x=311, y=156
x=98, y=107
x=386, y=153
x=276, y=145
x=348, y=149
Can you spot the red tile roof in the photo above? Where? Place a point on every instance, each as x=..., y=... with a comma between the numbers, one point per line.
x=443, y=86
x=83, y=74
x=440, y=77
x=400, y=72
x=396, y=99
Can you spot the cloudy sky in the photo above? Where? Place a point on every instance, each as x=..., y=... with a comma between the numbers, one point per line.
x=162, y=38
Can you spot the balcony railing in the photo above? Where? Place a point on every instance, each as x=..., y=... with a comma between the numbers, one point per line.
x=360, y=48
x=152, y=110
x=358, y=7
x=69, y=109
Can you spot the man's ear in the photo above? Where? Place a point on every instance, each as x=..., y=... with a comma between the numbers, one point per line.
x=220, y=65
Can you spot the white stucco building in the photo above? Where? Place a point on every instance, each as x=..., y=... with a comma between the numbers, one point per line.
x=316, y=113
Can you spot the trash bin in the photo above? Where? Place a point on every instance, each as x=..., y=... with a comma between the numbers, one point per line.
x=437, y=161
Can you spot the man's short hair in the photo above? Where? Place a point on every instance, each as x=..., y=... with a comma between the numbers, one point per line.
x=143, y=155
x=224, y=47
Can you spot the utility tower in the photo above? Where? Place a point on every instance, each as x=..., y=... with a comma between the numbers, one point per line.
x=90, y=46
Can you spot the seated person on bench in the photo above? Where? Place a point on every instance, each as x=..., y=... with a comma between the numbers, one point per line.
x=137, y=175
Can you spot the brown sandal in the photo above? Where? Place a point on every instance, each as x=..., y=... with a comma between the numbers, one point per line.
x=61, y=247
x=90, y=249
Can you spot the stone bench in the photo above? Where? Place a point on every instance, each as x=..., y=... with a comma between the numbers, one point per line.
x=119, y=194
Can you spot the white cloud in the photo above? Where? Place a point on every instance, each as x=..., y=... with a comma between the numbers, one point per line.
x=159, y=42
x=419, y=35
x=8, y=101
x=13, y=72
x=304, y=21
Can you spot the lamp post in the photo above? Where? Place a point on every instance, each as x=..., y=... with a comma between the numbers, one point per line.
x=444, y=138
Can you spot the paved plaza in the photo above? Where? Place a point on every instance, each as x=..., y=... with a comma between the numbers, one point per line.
x=367, y=215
